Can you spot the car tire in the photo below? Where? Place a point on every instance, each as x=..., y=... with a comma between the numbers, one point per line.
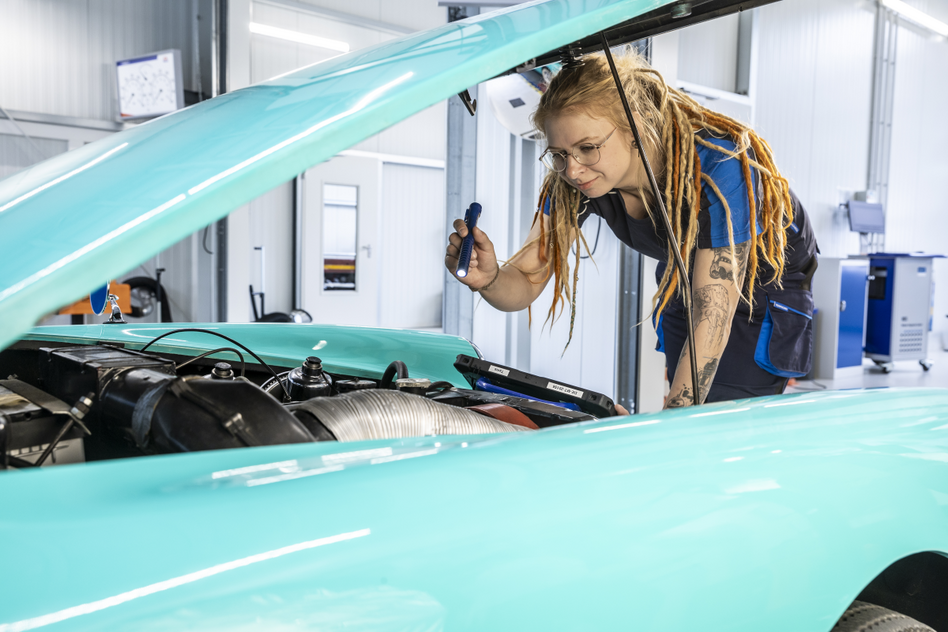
x=867, y=617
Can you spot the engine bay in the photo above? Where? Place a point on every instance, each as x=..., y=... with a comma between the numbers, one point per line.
x=63, y=404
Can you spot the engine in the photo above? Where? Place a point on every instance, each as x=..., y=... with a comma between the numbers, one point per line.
x=83, y=403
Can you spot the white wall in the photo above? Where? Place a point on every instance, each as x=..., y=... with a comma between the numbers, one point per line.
x=813, y=105
x=917, y=213
x=17, y=152
x=57, y=64
x=270, y=57
x=493, y=194
x=410, y=15
x=814, y=108
x=254, y=58
x=268, y=222
x=411, y=280
x=709, y=53
x=59, y=57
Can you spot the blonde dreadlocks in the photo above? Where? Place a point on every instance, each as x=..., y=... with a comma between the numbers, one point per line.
x=671, y=121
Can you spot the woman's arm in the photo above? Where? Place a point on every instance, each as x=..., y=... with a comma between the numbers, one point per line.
x=715, y=292
x=509, y=288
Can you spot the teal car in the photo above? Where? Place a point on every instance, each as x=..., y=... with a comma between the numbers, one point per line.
x=305, y=495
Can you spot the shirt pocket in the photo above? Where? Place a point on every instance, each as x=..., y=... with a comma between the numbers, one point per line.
x=785, y=345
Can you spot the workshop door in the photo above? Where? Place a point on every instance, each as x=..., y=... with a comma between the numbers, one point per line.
x=340, y=241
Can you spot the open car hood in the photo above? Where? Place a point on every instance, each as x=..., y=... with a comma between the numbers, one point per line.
x=72, y=222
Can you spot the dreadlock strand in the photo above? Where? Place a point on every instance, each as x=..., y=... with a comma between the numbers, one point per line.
x=733, y=154
x=684, y=204
x=572, y=305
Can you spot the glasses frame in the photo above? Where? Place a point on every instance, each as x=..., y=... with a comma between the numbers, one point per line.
x=565, y=155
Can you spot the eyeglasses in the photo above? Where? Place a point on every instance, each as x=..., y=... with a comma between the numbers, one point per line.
x=586, y=154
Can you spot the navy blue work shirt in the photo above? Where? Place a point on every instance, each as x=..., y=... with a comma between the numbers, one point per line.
x=764, y=348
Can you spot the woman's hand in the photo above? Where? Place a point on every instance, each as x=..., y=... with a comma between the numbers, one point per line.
x=511, y=287
x=483, y=267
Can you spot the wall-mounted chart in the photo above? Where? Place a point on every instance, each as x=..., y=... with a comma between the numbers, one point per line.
x=150, y=85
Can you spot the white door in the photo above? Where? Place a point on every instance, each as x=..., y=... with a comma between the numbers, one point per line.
x=340, y=241
x=412, y=255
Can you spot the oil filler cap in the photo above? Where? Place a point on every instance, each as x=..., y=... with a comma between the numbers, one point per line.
x=222, y=371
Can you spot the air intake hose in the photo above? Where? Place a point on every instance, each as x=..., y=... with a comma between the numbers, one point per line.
x=383, y=414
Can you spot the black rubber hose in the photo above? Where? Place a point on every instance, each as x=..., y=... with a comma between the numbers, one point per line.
x=440, y=386
x=397, y=367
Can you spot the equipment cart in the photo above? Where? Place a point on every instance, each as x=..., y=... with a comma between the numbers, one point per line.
x=899, y=308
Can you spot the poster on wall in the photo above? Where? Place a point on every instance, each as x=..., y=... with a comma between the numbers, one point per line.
x=150, y=85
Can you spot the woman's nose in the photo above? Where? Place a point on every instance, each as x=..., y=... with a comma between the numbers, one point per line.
x=573, y=168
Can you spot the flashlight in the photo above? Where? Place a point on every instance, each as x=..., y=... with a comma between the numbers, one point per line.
x=467, y=244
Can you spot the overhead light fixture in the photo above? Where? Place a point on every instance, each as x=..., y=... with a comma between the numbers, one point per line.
x=914, y=15
x=299, y=38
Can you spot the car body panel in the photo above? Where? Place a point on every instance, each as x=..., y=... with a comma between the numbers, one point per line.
x=76, y=220
x=767, y=514
x=362, y=351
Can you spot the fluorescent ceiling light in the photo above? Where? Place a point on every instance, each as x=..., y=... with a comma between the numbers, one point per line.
x=914, y=15
x=299, y=38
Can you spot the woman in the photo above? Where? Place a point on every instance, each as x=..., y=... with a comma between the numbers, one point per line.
x=750, y=280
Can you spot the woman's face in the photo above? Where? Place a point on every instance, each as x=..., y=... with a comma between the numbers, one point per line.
x=619, y=166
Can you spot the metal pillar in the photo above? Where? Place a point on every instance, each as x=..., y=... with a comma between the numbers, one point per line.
x=627, y=334
x=528, y=204
x=220, y=87
x=628, y=310
x=298, y=241
x=883, y=95
x=457, y=308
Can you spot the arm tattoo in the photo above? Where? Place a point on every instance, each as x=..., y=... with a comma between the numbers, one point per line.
x=711, y=304
x=681, y=399
x=706, y=375
x=705, y=378
x=722, y=267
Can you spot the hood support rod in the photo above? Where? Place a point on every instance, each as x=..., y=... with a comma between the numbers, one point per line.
x=682, y=272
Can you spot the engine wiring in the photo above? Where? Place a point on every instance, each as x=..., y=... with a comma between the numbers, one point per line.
x=243, y=363
x=228, y=339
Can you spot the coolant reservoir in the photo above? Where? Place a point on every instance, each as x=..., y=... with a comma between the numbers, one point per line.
x=308, y=381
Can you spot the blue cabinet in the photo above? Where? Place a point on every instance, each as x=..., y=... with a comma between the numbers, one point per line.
x=840, y=294
x=852, y=315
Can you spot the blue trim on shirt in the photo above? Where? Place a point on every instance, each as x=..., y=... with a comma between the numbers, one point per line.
x=728, y=175
x=660, y=345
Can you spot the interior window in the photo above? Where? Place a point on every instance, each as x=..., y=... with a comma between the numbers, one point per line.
x=340, y=222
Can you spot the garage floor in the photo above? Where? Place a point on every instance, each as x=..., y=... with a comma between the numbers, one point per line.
x=907, y=373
